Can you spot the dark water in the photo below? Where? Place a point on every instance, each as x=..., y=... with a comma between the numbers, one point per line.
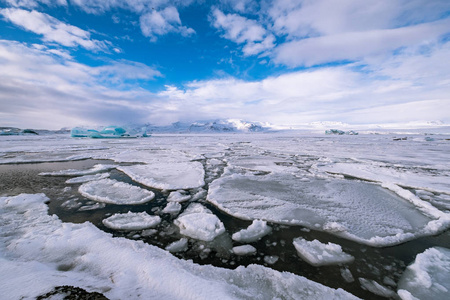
x=384, y=265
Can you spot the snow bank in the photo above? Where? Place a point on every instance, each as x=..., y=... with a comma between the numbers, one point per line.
x=131, y=221
x=87, y=178
x=115, y=192
x=168, y=176
x=254, y=232
x=428, y=276
x=38, y=252
x=320, y=254
x=199, y=223
x=71, y=172
x=360, y=211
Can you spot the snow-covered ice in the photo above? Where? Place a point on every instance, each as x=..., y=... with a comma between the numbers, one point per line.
x=252, y=233
x=172, y=208
x=168, y=176
x=360, y=211
x=244, y=250
x=178, y=246
x=71, y=172
x=115, y=192
x=177, y=196
x=199, y=223
x=320, y=254
x=428, y=277
x=87, y=178
x=131, y=221
x=39, y=252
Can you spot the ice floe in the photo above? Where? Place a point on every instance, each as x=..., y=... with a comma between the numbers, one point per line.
x=131, y=221
x=168, y=176
x=178, y=196
x=39, y=252
x=71, y=172
x=200, y=223
x=244, y=250
x=320, y=254
x=178, y=246
x=427, y=277
x=376, y=288
x=359, y=211
x=254, y=232
x=172, y=208
x=115, y=192
x=87, y=178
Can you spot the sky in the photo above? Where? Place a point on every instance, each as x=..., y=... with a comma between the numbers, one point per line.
x=66, y=63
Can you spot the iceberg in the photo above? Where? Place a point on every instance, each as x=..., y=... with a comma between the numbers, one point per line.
x=115, y=192
x=428, y=276
x=254, y=232
x=131, y=221
x=199, y=223
x=106, y=133
x=320, y=254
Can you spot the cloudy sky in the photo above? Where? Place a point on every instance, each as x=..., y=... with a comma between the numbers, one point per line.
x=102, y=62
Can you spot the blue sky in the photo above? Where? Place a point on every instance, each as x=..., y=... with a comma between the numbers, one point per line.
x=100, y=62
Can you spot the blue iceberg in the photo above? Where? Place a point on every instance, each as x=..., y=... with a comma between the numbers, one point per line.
x=105, y=133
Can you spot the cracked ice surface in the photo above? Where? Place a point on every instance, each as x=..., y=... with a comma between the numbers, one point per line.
x=360, y=211
x=115, y=192
x=168, y=176
x=95, y=261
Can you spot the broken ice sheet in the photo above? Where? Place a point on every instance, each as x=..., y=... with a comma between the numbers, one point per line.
x=428, y=277
x=168, y=176
x=131, y=221
x=320, y=254
x=199, y=223
x=359, y=211
x=115, y=192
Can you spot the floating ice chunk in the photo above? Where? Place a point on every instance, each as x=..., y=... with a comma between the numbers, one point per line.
x=170, y=176
x=172, y=208
x=115, y=192
x=34, y=245
x=319, y=254
x=177, y=196
x=244, y=250
x=376, y=288
x=199, y=223
x=347, y=275
x=131, y=221
x=178, y=246
x=360, y=211
x=71, y=172
x=254, y=232
x=271, y=259
x=428, y=276
x=87, y=178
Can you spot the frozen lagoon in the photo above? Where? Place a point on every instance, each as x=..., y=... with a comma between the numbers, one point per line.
x=307, y=168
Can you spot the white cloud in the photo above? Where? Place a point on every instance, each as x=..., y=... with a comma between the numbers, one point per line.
x=357, y=45
x=161, y=22
x=243, y=31
x=52, y=29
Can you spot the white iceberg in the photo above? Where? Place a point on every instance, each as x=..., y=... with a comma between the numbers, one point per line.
x=254, y=232
x=320, y=254
x=39, y=252
x=72, y=172
x=172, y=208
x=360, y=211
x=199, y=223
x=244, y=250
x=427, y=277
x=177, y=196
x=87, y=178
x=131, y=221
x=115, y=192
x=168, y=176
